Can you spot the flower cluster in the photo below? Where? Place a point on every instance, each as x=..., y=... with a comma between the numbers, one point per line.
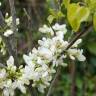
x=7, y=32
x=11, y=78
x=41, y=63
x=8, y=20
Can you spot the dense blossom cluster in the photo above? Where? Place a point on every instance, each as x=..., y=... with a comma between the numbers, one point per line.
x=8, y=20
x=11, y=78
x=7, y=33
x=41, y=63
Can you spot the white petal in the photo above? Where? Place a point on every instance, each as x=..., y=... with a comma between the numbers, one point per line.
x=6, y=92
x=81, y=58
x=7, y=33
x=10, y=61
x=27, y=60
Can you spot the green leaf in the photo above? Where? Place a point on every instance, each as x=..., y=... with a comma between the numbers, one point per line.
x=50, y=18
x=52, y=11
x=76, y=14
x=91, y=4
x=92, y=48
x=55, y=14
x=94, y=21
x=65, y=3
x=60, y=14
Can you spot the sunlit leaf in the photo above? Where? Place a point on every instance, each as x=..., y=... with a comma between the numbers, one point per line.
x=55, y=14
x=50, y=18
x=77, y=14
x=66, y=3
x=91, y=4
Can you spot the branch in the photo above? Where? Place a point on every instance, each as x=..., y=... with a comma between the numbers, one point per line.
x=54, y=81
x=51, y=28
x=78, y=36
x=86, y=30
x=13, y=38
x=73, y=78
x=13, y=13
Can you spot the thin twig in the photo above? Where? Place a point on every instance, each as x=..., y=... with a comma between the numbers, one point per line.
x=78, y=36
x=85, y=70
x=13, y=13
x=26, y=13
x=51, y=28
x=54, y=80
x=73, y=78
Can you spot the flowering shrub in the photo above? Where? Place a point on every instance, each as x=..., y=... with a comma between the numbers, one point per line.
x=58, y=45
x=41, y=63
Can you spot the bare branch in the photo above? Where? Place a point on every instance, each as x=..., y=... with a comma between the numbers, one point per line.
x=73, y=78
x=13, y=13
x=54, y=81
x=13, y=38
x=78, y=36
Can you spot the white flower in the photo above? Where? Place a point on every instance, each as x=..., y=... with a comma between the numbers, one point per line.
x=40, y=63
x=12, y=78
x=60, y=28
x=2, y=74
x=45, y=42
x=9, y=88
x=28, y=60
x=17, y=21
x=60, y=61
x=28, y=72
x=46, y=29
x=77, y=43
x=20, y=85
x=76, y=53
x=80, y=55
x=45, y=52
x=8, y=20
x=41, y=88
x=10, y=61
x=58, y=45
x=6, y=15
x=10, y=64
x=7, y=33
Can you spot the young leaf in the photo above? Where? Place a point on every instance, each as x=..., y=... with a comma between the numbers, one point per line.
x=66, y=3
x=50, y=18
x=76, y=14
x=91, y=4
